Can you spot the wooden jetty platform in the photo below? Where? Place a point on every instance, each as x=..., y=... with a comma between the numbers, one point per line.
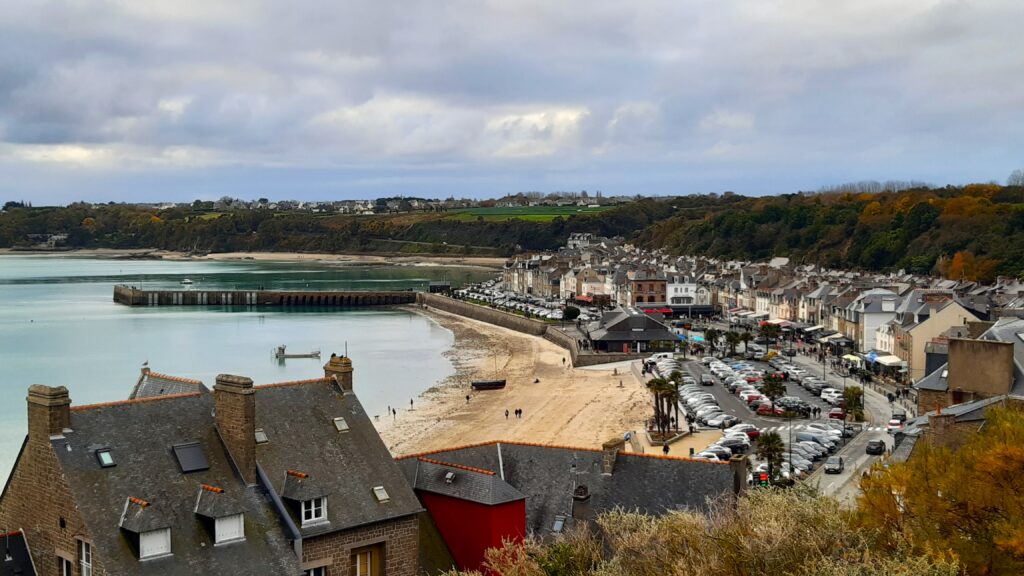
x=131, y=296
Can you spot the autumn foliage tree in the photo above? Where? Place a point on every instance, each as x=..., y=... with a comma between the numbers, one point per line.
x=964, y=505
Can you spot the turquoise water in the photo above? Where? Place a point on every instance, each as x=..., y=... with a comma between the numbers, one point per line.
x=59, y=326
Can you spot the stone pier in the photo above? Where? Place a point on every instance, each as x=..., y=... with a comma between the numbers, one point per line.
x=131, y=296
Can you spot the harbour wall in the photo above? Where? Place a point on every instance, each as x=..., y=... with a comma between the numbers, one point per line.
x=524, y=325
x=131, y=296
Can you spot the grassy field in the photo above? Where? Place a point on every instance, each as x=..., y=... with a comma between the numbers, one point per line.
x=534, y=213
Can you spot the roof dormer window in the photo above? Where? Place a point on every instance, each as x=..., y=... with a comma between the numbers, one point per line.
x=314, y=510
x=154, y=543
x=381, y=494
x=229, y=529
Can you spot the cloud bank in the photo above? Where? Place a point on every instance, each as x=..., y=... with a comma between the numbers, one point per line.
x=128, y=100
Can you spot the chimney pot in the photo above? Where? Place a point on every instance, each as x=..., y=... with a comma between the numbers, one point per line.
x=235, y=404
x=49, y=411
x=340, y=367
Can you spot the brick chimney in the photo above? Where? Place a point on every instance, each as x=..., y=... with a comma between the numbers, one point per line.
x=235, y=402
x=738, y=465
x=49, y=411
x=611, y=450
x=341, y=368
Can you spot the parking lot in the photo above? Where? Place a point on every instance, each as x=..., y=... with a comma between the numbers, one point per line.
x=706, y=398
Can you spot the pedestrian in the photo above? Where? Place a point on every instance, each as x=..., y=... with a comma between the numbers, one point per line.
x=506, y=414
x=467, y=398
x=410, y=403
x=520, y=412
x=664, y=449
x=394, y=414
x=563, y=360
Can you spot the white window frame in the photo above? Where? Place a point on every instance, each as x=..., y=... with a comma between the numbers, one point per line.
x=85, y=557
x=318, y=571
x=67, y=567
x=164, y=536
x=314, y=510
x=233, y=525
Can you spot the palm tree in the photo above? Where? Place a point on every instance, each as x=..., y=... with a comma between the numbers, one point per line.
x=659, y=387
x=676, y=377
x=774, y=387
x=746, y=337
x=711, y=336
x=732, y=339
x=770, y=332
x=771, y=448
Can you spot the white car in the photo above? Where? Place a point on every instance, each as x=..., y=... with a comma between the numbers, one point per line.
x=894, y=426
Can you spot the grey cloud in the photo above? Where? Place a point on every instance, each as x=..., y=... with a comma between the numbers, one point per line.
x=656, y=97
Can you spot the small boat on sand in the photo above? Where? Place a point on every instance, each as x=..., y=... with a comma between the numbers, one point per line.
x=487, y=384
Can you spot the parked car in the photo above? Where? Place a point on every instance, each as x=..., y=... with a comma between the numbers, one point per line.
x=834, y=465
x=875, y=447
x=722, y=421
x=768, y=410
x=837, y=414
x=749, y=429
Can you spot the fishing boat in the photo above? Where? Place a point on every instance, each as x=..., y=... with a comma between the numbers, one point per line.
x=496, y=384
x=186, y=282
x=281, y=353
x=488, y=384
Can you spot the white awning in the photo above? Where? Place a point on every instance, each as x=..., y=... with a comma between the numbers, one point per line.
x=852, y=358
x=889, y=360
x=744, y=313
x=813, y=328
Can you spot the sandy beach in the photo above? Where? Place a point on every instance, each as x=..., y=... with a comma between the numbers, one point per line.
x=365, y=259
x=568, y=406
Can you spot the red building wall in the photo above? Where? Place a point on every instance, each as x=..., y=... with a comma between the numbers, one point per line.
x=469, y=528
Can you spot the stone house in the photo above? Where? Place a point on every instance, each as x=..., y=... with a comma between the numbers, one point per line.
x=286, y=478
x=977, y=368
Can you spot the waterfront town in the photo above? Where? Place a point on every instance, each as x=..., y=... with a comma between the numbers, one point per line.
x=847, y=370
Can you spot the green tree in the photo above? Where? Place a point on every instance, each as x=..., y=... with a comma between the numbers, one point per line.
x=659, y=388
x=570, y=313
x=770, y=332
x=774, y=387
x=746, y=337
x=770, y=448
x=732, y=340
x=853, y=399
x=711, y=336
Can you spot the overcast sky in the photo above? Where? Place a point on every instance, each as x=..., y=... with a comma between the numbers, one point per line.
x=174, y=100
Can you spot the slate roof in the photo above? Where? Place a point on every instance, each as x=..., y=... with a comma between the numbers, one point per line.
x=298, y=420
x=622, y=325
x=213, y=502
x=139, y=435
x=140, y=516
x=16, y=547
x=547, y=476
x=467, y=483
x=152, y=384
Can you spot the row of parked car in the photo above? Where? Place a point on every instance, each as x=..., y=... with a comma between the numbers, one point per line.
x=815, y=385
x=702, y=405
x=511, y=301
x=746, y=381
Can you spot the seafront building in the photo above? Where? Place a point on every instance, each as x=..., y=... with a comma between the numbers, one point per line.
x=882, y=323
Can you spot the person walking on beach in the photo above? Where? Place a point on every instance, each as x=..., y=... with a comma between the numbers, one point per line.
x=467, y=398
x=664, y=449
x=394, y=414
x=410, y=403
x=506, y=414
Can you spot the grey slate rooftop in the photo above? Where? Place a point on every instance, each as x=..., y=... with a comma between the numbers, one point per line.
x=298, y=419
x=548, y=475
x=140, y=435
x=464, y=483
x=151, y=384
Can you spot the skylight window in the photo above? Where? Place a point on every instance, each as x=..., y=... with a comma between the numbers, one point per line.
x=261, y=436
x=381, y=494
x=559, y=524
x=105, y=458
x=1020, y=335
x=191, y=457
x=945, y=373
x=341, y=424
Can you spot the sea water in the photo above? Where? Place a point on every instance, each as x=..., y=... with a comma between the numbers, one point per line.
x=59, y=326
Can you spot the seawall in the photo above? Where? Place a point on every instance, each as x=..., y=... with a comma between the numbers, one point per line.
x=524, y=325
